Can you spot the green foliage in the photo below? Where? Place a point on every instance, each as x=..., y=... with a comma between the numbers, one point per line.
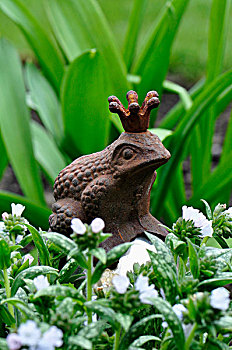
x=167, y=303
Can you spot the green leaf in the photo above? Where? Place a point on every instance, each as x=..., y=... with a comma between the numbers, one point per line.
x=112, y=256
x=208, y=210
x=21, y=306
x=175, y=244
x=67, y=270
x=104, y=311
x=31, y=273
x=15, y=128
x=39, y=39
x=161, y=133
x=193, y=260
x=5, y=316
x=144, y=339
x=173, y=321
x=81, y=342
x=44, y=101
x=35, y=213
x=224, y=323
x=218, y=281
x=154, y=57
x=5, y=261
x=3, y=344
x=64, y=243
x=124, y=320
x=136, y=330
x=4, y=158
x=59, y=291
x=93, y=331
x=85, y=105
x=100, y=254
x=40, y=245
x=134, y=24
x=46, y=151
x=79, y=257
x=169, y=86
x=80, y=26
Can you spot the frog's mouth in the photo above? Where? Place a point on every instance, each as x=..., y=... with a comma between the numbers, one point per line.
x=151, y=164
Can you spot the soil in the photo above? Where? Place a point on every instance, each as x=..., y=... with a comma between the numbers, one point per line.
x=9, y=181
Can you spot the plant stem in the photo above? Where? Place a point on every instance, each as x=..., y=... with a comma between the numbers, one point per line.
x=117, y=338
x=204, y=241
x=89, y=285
x=8, y=291
x=190, y=337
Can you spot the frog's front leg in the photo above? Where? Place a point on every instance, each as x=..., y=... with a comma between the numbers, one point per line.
x=64, y=210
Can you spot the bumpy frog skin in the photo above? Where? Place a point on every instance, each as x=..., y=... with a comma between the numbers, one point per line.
x=114, y=184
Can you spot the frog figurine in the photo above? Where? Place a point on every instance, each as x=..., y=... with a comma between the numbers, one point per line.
x=114, y=184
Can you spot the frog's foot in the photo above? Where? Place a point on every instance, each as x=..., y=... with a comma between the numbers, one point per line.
x=151, y=224
x=64, y=210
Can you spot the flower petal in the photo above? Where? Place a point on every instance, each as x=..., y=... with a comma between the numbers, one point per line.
x=121, y=283
x=17, y=209
x=97, y=225
x=78, y=226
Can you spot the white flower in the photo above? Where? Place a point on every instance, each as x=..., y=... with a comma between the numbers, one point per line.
x=41, y=282
x=2, y=226
x=13, y=341
x=121, y=283
x=5, y=215
x=220, y=298
x=199, y=220
x=97, y=225
x=137, y=253
x=78, y=226
x=228, y=211
x=18, y=239
x=17, y=209
x=50, y=339
x=145, y=291
x=29, y=333
x=28, y=257
x=179, y=309
x=187, y=329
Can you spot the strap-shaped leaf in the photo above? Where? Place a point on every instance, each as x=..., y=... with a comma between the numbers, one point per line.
x=84, y=103
x=59, y=291
x=40, y=245
x=39, y=39
x=14, y=124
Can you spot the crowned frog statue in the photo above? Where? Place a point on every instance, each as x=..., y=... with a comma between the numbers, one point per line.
x=115, y=184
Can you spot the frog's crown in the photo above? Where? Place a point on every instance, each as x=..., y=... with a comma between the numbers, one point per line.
x=135, y=118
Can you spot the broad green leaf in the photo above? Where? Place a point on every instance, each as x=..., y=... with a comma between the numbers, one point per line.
x=93, y=330
x=3, y=344
x=5, y=261
x=193, y=260
x=64, y=243
x=46, y=152
x=14, y=124
x=161, y=133
x=225, y=323
x=208, y=209
x=100, y=254
x=6, y=317
x=154, y=57
x=81, y=342
x=80, y=26
x=124, y=320
x=31, y=273
x=67, y=270
x=112, y=256
x=59, y=291
x=136, y=330
x=104, y=311
x=39, y=39
x=144, y=339
x=162, y=250
x=179, y=138
x=4, y=158
x=44, y=101
x=218, y=281
x=21, y=306
x=40, y=245
x=35, y=213
x=79, y=257
x=175, y=244
x=134, y=25
x=84, y=102
x=171, y=318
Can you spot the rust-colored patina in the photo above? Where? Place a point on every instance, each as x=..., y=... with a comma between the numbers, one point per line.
x=114, y=184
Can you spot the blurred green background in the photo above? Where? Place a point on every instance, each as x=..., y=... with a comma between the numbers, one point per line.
x=189, y=54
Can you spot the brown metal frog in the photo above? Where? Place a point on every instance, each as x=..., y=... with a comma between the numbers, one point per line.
x=114, y=184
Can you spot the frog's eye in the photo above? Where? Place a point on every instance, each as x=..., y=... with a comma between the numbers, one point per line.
x=127, y=153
